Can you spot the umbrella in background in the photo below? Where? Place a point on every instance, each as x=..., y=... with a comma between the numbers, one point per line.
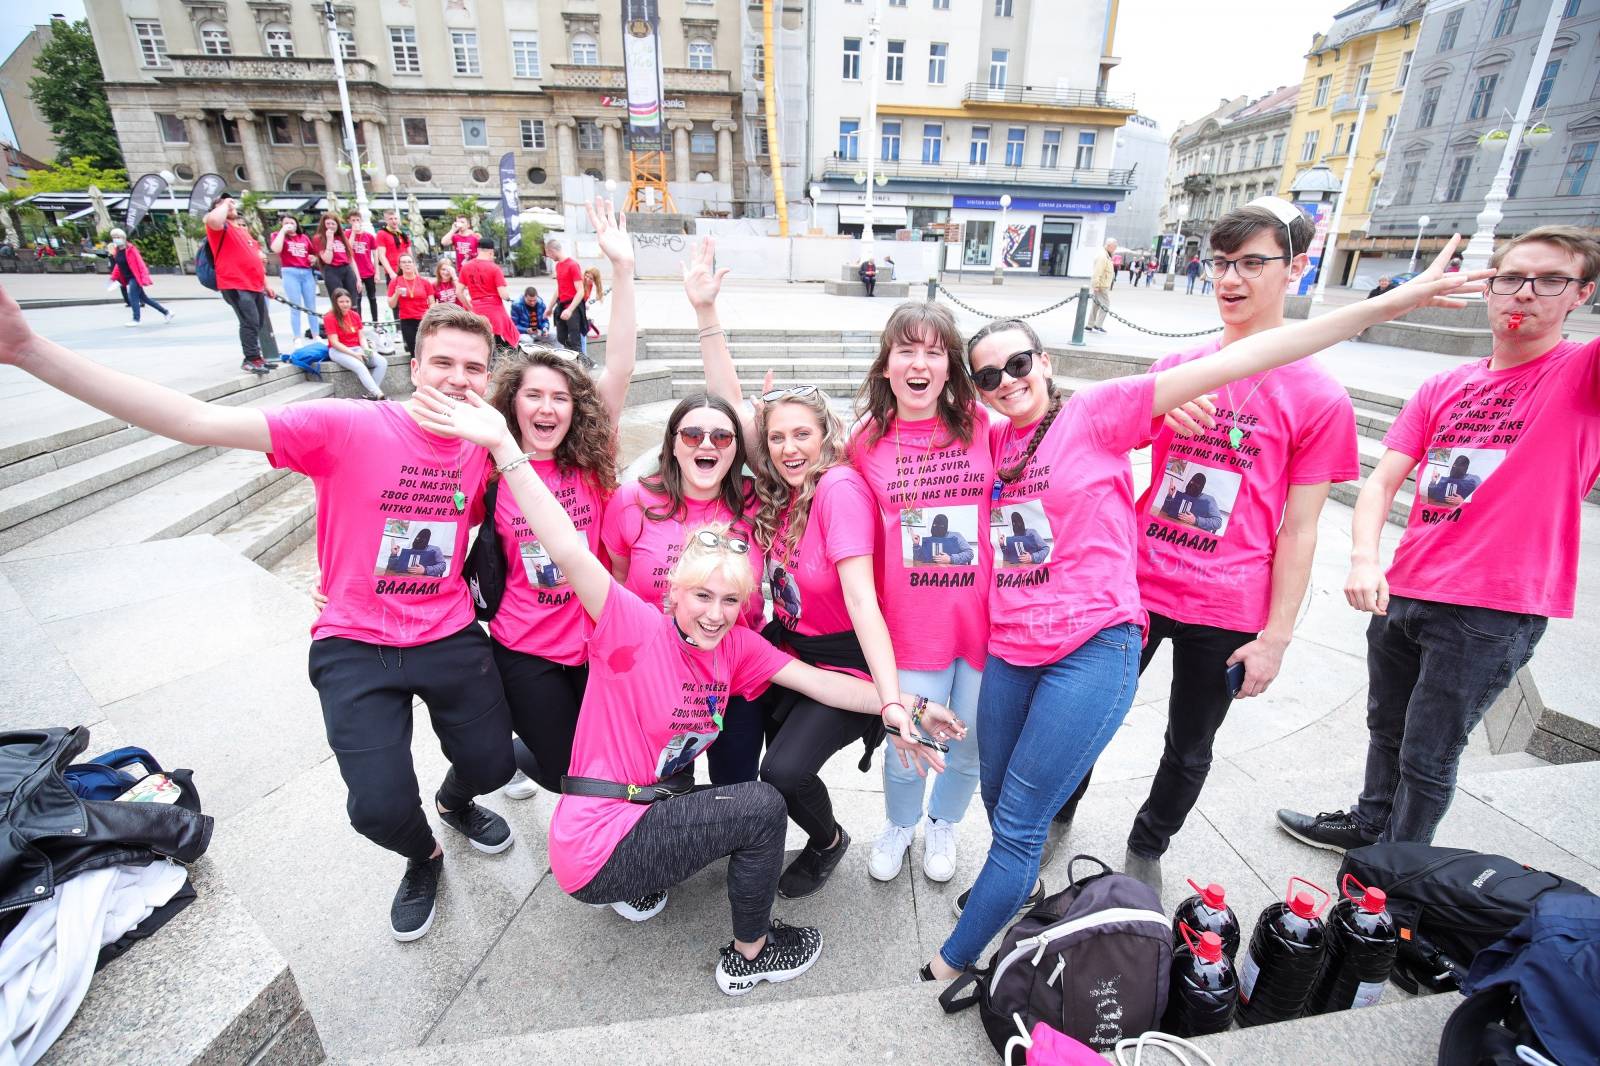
x=102, y=217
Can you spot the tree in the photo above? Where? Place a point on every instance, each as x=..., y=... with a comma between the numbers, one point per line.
x=70, y=93
x=75, y=175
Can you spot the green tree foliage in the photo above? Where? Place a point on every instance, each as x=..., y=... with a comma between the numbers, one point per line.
x=75, y=175
x=70, y=93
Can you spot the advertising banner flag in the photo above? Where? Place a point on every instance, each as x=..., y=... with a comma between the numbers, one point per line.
x=510, y=208
x=206, y=188
x=140, y=199
x=641, y=60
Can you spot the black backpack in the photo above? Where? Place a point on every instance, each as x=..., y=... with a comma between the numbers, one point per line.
x=485, y=568
x=205, y=264
x=1091, y=961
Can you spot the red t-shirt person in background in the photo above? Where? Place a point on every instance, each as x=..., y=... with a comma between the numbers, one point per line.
x=410, y=294
x=569, y=283
x=241, y=278
x=486, y=286
x=464, y=241
x=363, y=243
x=393, y=242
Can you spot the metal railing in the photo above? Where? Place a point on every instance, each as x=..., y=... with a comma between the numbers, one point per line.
x=1053, y=177
x=1347, y=102
x=977, y=92
x=674, y=79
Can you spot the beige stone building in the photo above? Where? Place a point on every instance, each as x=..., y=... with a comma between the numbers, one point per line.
x=439, y=90
x=33, y=134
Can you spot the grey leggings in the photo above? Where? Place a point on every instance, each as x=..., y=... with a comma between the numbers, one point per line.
x=369, y=373
x=680, y=836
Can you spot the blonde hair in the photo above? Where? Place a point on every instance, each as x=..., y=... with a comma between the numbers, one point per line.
x=699, y=561
x=772, y=491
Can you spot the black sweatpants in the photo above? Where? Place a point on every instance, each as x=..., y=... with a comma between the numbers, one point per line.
x=544, y=698
x=367, y=692
x=796, y=750
x=569, y=332
x=251, y=310
x=679, y=836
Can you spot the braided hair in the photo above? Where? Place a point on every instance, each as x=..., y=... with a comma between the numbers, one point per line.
x=1009, y=474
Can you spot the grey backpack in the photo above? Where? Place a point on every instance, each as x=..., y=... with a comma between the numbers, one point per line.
x=1091, y=961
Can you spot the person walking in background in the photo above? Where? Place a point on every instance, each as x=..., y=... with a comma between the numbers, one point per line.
x=363, y=243
x=1149, y=272
x=488, y=292
x=1116, y=264
x=1385, y=283
x=594, y=291
x=1192, y=271
x=241, y=277
x=1102, y=276
x=293, y=250
x=129, y=271
x=569, y=278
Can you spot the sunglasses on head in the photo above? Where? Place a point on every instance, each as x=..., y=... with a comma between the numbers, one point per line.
x=1018, y=365
x=710, y=540
x=795, y=392
x=693, y=435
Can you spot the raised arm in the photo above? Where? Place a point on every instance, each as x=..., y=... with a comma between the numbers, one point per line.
x=622, y=342
x=217, y=217
x=702, y=283
x=123, y=396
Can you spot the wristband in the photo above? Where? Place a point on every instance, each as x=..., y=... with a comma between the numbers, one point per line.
x=891, y=703
x=918, y=707
x=513, y=464
x=716, y=331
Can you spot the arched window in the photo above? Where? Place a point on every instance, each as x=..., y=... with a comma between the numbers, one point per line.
x=214, y=39
x=279, y=41
x=304, y=181
x=701, y=56
x=585, y=50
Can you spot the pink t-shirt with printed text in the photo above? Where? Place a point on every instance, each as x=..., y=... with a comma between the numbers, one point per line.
x=361, y=245
x=933, y=553
x=647, y=714
x=295, y=251
x=466, y=247
x=652, y=547
x=390, y=540
x=1206, y=557
x=1507, y=457
x=1065, y=533
x=539, y=613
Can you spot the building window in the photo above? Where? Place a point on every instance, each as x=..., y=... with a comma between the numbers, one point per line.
x=1430, y=105
x=415, y=131
x=1002, y=8
x=537, y=176
x=894, y=61
x=464, y=50
x=1447, y=35
x=897, y=3
x=1016, y=144
x=702, y=141
x=230, y=129
x=938, y=52
x=1576, y=170
x=941, y=5
x=978, y=153
x=525, y=55
x=980, y=235
x=1050, y=149
x=849, y=138
x=1571, y=10
x=1277, y=148
x=308, y=131
x=1483, y=96
x=1506, y=21
x=403, y=50
x=701, y=57
x=1547, y=82
x=1233, y=198
x=422, y=175
x=1227, y=160
x=932, y=142
x=999, y=60
x=1518, y=166
x=480, y=175
x=214, y=39
x=584, y=50
x=475, y=133
x=1408, y=182
x=852, y=59
x=173, y=130
x=279, y=41
x=1086, y=142
x=533, y=134
x=589, y=137
x=757, y=131
x=1261, y=152
x=1324, y=84
x=152, y=43
x=1405, y=70
x=347, y=44
x=1388, y=133
x=279, y=130
x=1363, y=80
x=1459, y=172
x=1372, y=198
x=891, y=142
x=1308, y=147
x=1338, y=137
x=758, y=62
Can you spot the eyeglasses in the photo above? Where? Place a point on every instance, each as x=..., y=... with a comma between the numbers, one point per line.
x=1248, y=266
x=794, y=392
x=693, y=435
x=1018, y=365
x=1548, y=285
x=708, y=539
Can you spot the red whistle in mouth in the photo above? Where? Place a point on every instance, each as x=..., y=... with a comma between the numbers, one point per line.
x=1515, y=321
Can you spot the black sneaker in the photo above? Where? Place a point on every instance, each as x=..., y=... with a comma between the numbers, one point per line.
x=1333, y=830
x=642, y=909
x=789, y=952
x=1034, y=899
x=486, y=829
x=411, y=913
x=811, y=868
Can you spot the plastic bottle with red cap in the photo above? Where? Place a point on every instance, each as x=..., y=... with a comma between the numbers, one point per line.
x=1207, y=911
x=1362, y=941
x=1204, y=988
x=1284, y=959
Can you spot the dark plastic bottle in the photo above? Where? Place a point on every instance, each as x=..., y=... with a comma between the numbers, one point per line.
x=1278, y=970
x=1362, y=941
x=1207, y=911
x=1204, y=990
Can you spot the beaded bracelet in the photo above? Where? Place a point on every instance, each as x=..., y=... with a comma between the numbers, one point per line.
x=918, y=707
x=513, y=464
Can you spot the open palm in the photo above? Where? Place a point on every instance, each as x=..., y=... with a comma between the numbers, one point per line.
x=611, y=229
x=702, y=281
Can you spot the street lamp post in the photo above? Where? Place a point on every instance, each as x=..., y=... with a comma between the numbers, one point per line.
x=871, y=130
x=1422, y=224
x=394, y=191
x=1338, y=207
x=1181, y=213
x=337, y=52
x=1000, y=241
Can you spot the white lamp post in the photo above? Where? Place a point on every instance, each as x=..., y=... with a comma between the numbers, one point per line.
x=869, y=133
x=1000, y=241
x=1422, y=224
x=1354, y=147
x=336, y=50
x=394, y=190
x=1180, y=213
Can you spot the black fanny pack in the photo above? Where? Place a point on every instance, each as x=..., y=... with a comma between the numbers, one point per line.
x=677, y=785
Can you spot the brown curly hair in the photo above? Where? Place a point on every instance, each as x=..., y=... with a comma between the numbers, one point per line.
x=773, y=493
x=908, y=324
x=590, y=445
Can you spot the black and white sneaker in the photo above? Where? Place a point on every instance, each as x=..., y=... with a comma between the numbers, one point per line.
x=411, y=913
x=642, y=909
x=486, y=829
x=789, y=952
x=1330, y=830
x=1034, y=899
x=811, y=868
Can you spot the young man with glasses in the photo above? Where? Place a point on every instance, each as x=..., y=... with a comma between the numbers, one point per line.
x=1487, y=557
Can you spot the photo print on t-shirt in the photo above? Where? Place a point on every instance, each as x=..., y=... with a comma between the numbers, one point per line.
x=1195, y=496
x=1021, y=534
x=785, y=593
x=413, y=548
x=1449, y=477
x=940, y=535
x=680, y=752
x=542, y=572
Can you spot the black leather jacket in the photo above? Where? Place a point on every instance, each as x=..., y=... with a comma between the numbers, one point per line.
x=48, y=834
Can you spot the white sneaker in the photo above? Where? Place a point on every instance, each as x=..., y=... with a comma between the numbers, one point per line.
x=939, y=850
x=166, y=317
x=520, y=787
x=889, y=851
x=130, y=323
x=642, y=909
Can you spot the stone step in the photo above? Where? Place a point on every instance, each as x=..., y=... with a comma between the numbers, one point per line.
x=269, y=533
x=1401, y=1033
x=1373, y=422
x=1465, y=342
x=884, y=290
x=656, y=351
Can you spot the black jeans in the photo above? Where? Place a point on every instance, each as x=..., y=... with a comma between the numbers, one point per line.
x=544, y=698
x=1433, y=669
x=408, y=333
x=367, y=692
x=736, y=756
x=796, y=751
x=370, y=284
x=568, y=331
x=342, y=277
x=251, y=310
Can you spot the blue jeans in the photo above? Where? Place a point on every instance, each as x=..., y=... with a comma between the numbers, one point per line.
x=137, y=296
x=1433, y=669
x=1043, y=728
x=300, y=289
x=956, y=686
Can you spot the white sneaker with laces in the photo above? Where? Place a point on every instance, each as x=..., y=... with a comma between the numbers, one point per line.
x=939, y=850
x=889, y=851
x=130, y=324
x=520, y=787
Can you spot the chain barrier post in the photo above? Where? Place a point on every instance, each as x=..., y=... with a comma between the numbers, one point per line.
x=933, y=289
x=1080, y=318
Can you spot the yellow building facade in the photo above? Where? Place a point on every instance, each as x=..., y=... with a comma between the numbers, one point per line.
x=1368, y=51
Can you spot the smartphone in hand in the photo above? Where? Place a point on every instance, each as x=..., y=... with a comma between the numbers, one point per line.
x=1235, y=679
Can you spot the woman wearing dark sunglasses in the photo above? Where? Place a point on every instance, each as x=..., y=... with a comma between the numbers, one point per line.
x=1065, y=632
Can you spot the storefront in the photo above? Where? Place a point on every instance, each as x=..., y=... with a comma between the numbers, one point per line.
x=1034, y=235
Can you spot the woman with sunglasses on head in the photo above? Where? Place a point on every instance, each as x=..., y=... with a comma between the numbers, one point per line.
x=922, y=447
x=1065, y=633
x=631, y=823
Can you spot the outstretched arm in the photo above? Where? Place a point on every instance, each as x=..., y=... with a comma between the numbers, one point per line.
x=135, y=400
x=611, y=227
x=702, y=283
x=849, y=693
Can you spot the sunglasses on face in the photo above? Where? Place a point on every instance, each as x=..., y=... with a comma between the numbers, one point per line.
x=693, y=435
x=710, y=540
x=1018, y=365
x=796, y=392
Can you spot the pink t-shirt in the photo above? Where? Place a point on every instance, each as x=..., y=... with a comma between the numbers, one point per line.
x=1507, y=458
x=390, y=537
x=652, y=547
x=843, y=522
x=295, y=251
x=1205, y=557
x=466, y=247
x=361, y=246
x=933, y=553
x=539, y=613
x=1065, y=532
x=337, y=247
x=447, y=294
x=652, y=705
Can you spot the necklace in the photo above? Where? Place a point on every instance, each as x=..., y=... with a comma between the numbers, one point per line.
x=899, y=463
x=1235, y=434
x=458, y=498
